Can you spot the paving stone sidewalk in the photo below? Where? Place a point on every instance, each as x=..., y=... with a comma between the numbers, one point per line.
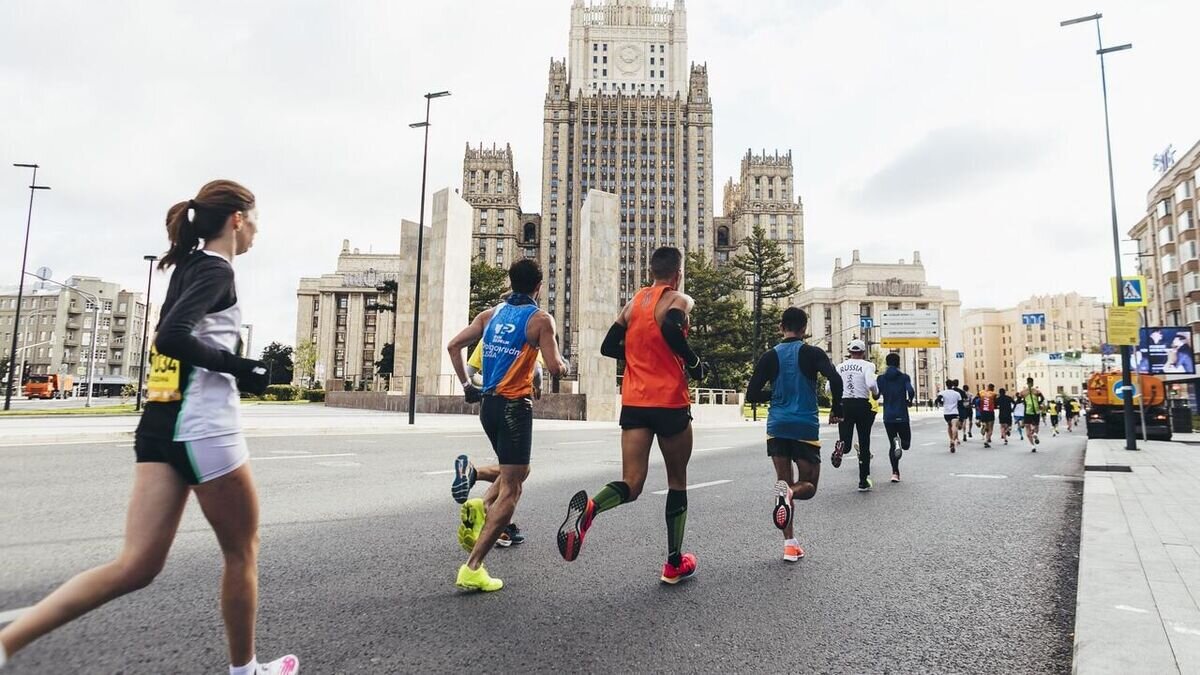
x=1138, y=604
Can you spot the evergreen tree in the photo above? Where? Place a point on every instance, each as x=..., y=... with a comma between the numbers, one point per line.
x=765, y=271
x=278, y=358
x=720, y=329
x=387, y=360
x=488, y=283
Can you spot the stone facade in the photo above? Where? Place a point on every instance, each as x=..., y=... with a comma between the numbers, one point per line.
x=598, y=263
x=646, y=139
x=333, y=312
x=56, y=332
x=865, y=290
x=501, y=234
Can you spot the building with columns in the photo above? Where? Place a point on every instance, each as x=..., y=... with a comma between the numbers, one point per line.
x=334, y=312
x=625, y=113
x=996, y=341
x=501, y=234
x=861, y=290
x=764, y=196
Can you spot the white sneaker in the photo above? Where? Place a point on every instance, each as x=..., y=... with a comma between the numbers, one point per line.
x=287, y=665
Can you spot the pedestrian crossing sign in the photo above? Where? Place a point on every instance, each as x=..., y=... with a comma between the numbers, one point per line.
x=1133, y=291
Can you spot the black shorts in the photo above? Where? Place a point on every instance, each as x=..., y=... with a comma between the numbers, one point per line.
x=196, y=461
x=1033, y=420
x=950, y=418
x=965, y=415
x=797, y=451
x=662, y=422
x=1054, y=419
x=987, y=417
x=508, y=424
x=1006, y=420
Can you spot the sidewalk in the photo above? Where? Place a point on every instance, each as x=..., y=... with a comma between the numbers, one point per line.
x=1138, y=604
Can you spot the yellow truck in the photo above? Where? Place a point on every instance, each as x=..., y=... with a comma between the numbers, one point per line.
x=1106, y=410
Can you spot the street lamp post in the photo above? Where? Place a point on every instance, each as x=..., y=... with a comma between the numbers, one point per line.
x=145, y=355
x=412, y=375
x=1126, y=370
x=12, y=356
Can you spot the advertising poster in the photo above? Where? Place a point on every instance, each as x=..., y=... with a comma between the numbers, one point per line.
x=1165, y=350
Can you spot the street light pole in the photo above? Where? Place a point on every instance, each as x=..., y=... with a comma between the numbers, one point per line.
x=1126, y=370
x=145, y=355
x=12, y=356
x=412, y=375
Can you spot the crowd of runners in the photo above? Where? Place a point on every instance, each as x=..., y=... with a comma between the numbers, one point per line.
x=1027, y=410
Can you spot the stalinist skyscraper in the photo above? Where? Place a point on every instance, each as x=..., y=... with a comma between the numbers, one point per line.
x=625, y=113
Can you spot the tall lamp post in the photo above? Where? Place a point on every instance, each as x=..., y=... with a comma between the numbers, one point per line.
x=1126, y=370
x=145, y=357
x=412, y=374
x=12, y=354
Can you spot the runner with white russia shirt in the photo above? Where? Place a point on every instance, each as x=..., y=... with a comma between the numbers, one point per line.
x=858, y=386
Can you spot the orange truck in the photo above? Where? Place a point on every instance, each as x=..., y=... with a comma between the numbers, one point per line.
x=1106, y=410
x=48, y=386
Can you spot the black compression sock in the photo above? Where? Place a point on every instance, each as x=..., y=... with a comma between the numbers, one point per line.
x=676, y=522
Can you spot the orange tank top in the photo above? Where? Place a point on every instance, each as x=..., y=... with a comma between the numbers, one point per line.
x=654, y=374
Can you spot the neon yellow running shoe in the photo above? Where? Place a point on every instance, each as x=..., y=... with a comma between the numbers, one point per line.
x=477, y=580
x=473, y=515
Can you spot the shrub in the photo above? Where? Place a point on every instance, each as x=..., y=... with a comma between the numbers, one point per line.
x=282, y=392
x=314, y=395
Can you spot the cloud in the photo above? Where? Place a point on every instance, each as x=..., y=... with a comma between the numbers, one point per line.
x=948, y=162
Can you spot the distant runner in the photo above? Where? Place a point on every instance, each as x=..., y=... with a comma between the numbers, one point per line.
x=987, y=413
x=858, y=387
x=949, y=399
x=898, y=395
x=1004, y=405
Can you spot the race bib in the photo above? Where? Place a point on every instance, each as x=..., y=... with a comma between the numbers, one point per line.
x=162, y=385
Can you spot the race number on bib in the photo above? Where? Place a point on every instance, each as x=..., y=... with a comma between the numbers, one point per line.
x=162, y=386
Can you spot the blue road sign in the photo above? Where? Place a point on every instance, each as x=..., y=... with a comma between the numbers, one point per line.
x=1056, y=356
x=1119, y=389
x=866, y=322
x=1107, y=349
x=959, y=355
x=1033, y=319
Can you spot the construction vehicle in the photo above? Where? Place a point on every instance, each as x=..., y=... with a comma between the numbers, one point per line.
x=48, y=386
x=1106, y=410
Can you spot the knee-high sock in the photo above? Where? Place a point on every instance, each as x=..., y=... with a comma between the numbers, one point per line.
x=611, y=496
x=676, y=523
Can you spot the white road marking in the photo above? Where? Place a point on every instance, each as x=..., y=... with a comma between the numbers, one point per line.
x=697, y=486
x=336, y=454
x=719, y=447
x=438, y=473
x=1180, y=628
x=479, y=435
x=290, y=452
x=12, y=614
x=599, y=440
x=979, y=475
x=1127, y=608
x=926, y=445
x=1055, y=476
x=339, y=463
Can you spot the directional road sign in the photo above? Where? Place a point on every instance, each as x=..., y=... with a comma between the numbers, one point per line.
x=1055, y=356
x=1033, y=319
x=959, y=355
x=1133, y=291
x=866, y=322
x=1119, y=389
x=913, y=328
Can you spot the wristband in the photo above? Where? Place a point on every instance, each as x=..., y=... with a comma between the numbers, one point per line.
x=465, y=384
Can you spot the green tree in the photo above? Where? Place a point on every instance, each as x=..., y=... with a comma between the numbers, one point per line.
x=387, y=360
x=305, y=361
x=488, y=283
x=278, y=358
x=720, y=323
x=765, y=271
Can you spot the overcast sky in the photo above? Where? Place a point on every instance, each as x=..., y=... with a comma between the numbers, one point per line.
x=972, y=131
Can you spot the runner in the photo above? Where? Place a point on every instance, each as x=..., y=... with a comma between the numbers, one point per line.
x=197, y=448
x=949, y=399
x=1019, y=417
x=898, y=395
x=1073, y=410
x=1034, y=408
x=964, y=413
x=1053, y=409
x=858, y=386
x=1004, y=404
x=650, y=334
x=512, y=335
x=987, y=413
x=791, y=369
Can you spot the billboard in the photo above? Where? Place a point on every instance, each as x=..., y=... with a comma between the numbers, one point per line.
x=1165, y=350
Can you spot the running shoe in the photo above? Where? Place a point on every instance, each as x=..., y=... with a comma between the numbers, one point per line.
x=477, y=580
x=782, y=514
x=1037, y=440
x=865, y=484
x=287, y=665
x=1006, y=441
x=952, y=448
x=895, y=477
x=672, y=574
x=472, y=517
x=792, y=551
x=464, y=479
x=839, y=449
x=580, y=512
x=987, y=444
x=511, y=536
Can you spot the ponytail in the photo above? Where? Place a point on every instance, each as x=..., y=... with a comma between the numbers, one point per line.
x=202, y=218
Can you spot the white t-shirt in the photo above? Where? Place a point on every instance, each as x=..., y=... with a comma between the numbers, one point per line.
x=858, y=378
x=1019, y=408
x=950, y=399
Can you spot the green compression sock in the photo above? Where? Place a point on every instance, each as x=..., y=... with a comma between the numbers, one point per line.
x=611, y=496
x=676, y=523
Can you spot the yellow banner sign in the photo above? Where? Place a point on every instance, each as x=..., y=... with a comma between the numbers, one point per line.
x=1123, y=325
x=910, y=343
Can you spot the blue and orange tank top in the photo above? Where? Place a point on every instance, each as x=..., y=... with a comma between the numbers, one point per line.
x=509, y=360
x=654, y=374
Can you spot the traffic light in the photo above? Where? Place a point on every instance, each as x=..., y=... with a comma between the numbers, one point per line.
x=389, y=289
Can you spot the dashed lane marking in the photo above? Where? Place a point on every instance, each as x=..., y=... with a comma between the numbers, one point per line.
x=979, y=475
x=719, y=447
x=1127, y=608
x=334, y=454
x=598, y=440
x=438, y=473
x=697, y=486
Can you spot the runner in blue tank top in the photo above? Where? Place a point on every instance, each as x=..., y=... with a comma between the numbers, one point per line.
x=793, y=425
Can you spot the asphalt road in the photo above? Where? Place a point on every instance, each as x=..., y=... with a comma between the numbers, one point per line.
x=968, y=565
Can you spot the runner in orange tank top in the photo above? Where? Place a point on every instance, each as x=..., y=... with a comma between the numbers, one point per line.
x=650, y=335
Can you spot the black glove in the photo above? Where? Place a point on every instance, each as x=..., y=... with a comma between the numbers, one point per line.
x=251, y=376
x=472, y=394
x=698, y=370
